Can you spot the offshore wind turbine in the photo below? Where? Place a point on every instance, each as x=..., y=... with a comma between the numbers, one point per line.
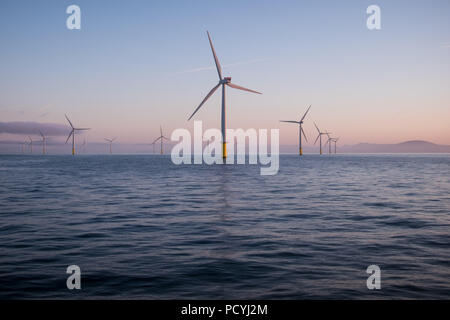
x=300, y=130
x=223, y=81
x=335, y=140
x=44, y=139
x=110, y=144
x=161, y=137
x=84, y=145
x=72, y=133
x=31, y=144
x=319, y=136
x=153, y=144
x=26, y=143
x=329, y=142
x=208, y=142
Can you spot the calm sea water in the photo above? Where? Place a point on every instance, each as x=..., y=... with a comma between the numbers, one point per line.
x=141, y=227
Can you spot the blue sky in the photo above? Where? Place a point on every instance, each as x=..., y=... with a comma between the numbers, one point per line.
x=129, y=68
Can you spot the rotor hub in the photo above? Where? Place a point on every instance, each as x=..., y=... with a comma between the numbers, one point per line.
x=226, y=80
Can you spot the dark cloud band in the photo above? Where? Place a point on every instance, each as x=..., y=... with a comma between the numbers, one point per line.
x=26, y=127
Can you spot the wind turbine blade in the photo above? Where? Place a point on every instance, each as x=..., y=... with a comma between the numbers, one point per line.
x=304, y=135
x=69, y=121
x=204, y=100
x=166, y=138
x=241, y=88
x=216, y=60
x=79, y=129
x=296, y=122
x=316, y=127
x=71, y=133
x=317, y=139
x=156, y=140
x=41, y=134
x=305, y=114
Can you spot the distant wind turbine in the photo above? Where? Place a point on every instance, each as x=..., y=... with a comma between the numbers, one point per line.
x=208, y=142
x=31, y=144
x=329, y=142
x=84, y=145
x=153, y=144
x=319, y=136
x=44, y=139
x=161, y=137
x=300, y=130
x=110, y=144
x=335, y=140
x=72, y=133
x=222, y=82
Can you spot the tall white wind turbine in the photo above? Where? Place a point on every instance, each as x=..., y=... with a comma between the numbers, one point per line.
x=223, y=81
x=300, y=130
x=72, y=133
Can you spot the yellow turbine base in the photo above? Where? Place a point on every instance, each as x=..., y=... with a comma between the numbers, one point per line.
x=73, y=151
x=224, y=150
x=301, y=151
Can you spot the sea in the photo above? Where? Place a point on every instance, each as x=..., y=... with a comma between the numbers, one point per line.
x=141, y=227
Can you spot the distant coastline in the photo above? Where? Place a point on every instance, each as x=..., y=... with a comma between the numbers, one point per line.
x=413, y=146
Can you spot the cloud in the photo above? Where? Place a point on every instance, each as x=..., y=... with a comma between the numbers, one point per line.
x=27, y=127
x=44, y=111
x=445, y=45
x=213, y=67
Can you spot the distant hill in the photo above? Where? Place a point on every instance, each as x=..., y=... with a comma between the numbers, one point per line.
x=414, y=146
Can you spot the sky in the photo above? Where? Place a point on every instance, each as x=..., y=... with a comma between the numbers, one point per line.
x=136, y=65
